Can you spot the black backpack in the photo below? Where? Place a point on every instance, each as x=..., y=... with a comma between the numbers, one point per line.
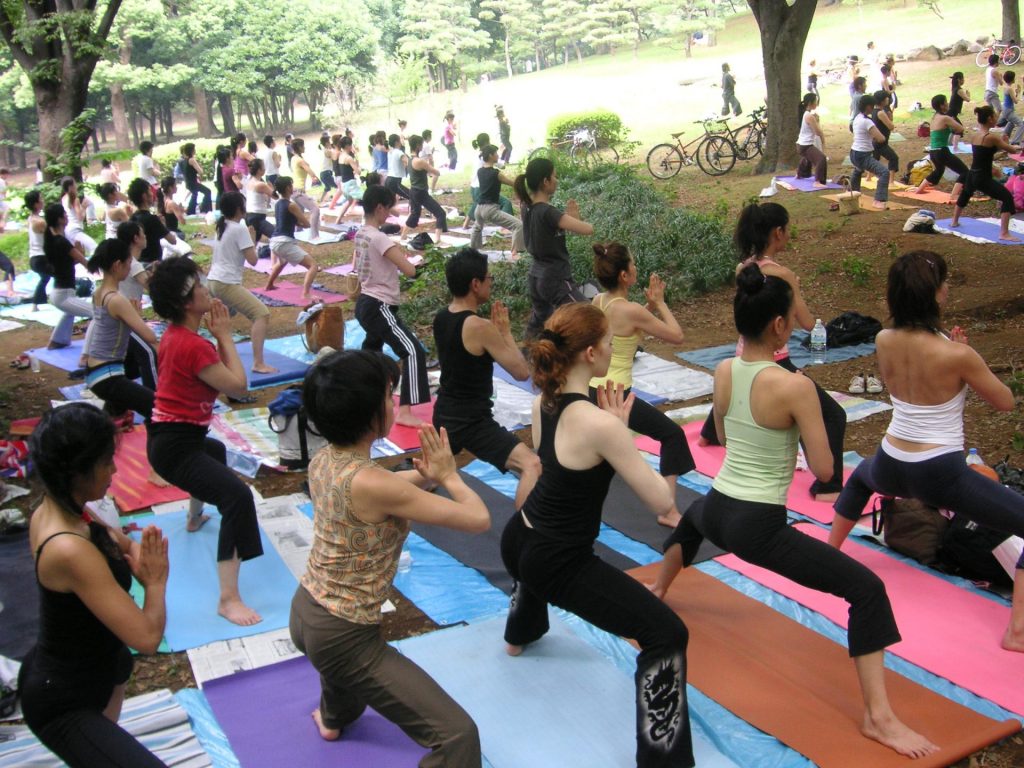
x=852, y=328
x=966, y=551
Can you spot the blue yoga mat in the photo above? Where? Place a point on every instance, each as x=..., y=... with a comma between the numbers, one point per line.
x=265, y=582
x=288, y=369
x=969, y=227
x=800, y=355
x=527, y=386
x=19, y=614
x=559, y=704
x=66, y=359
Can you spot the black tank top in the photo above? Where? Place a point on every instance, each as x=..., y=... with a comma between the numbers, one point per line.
x=883, y=129
x=466, y=379
x=956, y=104
x=346, y=172
x=417, y=178
x=171, y=221
x=490, y=186
x=982, y=156
x=566, y=504
x=191, y=177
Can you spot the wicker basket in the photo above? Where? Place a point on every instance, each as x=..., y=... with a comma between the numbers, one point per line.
x=849, y=203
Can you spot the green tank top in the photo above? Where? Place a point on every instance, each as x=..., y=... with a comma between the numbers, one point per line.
x=940, y=138
x=759, y=462
x=417, y=178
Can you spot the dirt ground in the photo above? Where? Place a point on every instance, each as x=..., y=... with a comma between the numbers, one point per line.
x=842, y=263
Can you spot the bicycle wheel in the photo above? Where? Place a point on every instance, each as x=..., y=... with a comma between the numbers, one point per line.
x=982, y=58
x=716, y=156
x=546, y=152
x=664, y=161
x=746, y=143
x=1011, y=55
x=580, y=155
x=605, y=155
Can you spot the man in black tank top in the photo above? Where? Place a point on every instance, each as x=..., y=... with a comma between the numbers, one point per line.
x=467, y=346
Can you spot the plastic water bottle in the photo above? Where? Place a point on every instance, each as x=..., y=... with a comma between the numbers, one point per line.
x=819, y=343
x=404, y=561
x=974, y=458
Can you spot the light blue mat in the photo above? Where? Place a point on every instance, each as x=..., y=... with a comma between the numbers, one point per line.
x=527, y=386
x=559, y=704
x=288, y=370
x=66, y=358
x=47, y=314
x=265, y=582
x=293, y=346
x=800, y=355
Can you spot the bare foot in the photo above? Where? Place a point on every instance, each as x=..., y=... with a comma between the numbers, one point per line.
x=819, y=185
x=703, y=441
x=239, y=613
x=897, y=736
x=156, y=480
x=408, y=420
x=954, y=223
x=513, y=650
x=1009, y=238
x=263, y=368
x=879, y=204
x=671, y=520
x=195, y=523
x=56, y=345
x=1013, y=642
x=827, y=497
x=309, y=297
x=327, y=734
x=658, y=592
x=268, y=287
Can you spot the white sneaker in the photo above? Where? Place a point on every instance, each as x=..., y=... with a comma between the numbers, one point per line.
x=856, y=385
x=874, y=385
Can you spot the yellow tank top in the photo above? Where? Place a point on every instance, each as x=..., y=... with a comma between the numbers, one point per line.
x=620, y=370
x=299, y=175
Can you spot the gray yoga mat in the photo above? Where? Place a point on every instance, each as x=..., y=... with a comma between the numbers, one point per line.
x=19, y=618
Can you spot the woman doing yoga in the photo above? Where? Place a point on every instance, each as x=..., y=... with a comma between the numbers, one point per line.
x=361, y=518
x=865, y=135
x=761, y=410
x=921, y=455
x=548, y=547
x=629, y=322
x=942, y=126
x=72, y=682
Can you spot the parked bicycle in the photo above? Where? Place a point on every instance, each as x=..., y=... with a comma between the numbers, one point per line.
x=1008, y=53
x=750, y=137
x=710, y=151
x=583, y=147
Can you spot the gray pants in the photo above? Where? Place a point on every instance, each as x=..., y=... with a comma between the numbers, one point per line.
x=992, y=99
x=863, y=161
x=66, y=300
x=357, y=668
x=489, y=213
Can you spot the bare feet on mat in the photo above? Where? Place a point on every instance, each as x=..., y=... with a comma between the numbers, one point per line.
x=156, y=480
x=703, y=441
x=195, y=523
x=513, y=650
x=658, y=592
x=309, y=297
x=408, y=419
x=671, y=520
x=954, y=223
x=897, y=736
x=1013, y=642
x=879, y=204
x=239, y=613
x=264, y=368
x=819, y=185
x=826, y=497
x=268, y=287
x=327, y=734
x=1009, y=238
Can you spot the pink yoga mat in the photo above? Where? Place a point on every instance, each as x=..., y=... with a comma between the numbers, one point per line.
x=946, y=630
x=407, y=438
x=292, y=294
x=263, y=265
x=340, y=269
x=130, y=487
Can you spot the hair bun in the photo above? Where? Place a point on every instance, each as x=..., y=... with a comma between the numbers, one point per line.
x=751, y=279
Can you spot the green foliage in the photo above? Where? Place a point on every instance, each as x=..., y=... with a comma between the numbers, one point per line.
x=72, y=139
x=608, y=125
x=15, y=245
x=857, y=269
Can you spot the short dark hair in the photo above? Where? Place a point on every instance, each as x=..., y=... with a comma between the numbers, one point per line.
x=281, y=184
x=167, y=287
x=146, y=147
x=347, y=394
x=137, y=190
x=461, y=269
x=375, y=196
x=188, y=149
x=31, y=198
x=107, y=190
x=993, y=59
x=268, y=140
x=938, y=100
x=914, y=279
x=415, y=143
x=127, y=231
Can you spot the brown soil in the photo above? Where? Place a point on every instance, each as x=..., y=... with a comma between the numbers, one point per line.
x=842, y=263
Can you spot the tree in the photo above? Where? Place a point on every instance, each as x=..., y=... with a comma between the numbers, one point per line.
x=1011, y=20
x=58, y=43
x=784, y=25
x=440, y=46
x=516, y=18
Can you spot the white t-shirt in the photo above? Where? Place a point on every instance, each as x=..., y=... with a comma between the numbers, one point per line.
x=377, y=275
x=130, y=287
x=266, y=154
x=862, y=142
x=992, y=79
x=474, y=178
x=146, y=171
x=428, y=150
x=228, y=253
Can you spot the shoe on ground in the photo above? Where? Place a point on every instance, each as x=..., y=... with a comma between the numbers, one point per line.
x=873, y=385
x=856, y=385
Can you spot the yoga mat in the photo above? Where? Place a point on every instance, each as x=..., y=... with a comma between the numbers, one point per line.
x=975, y=230
x=19, y=617
x=561, y=703
x=47, y=314
x=288, y=370
x=527, y=386
x=894, y=185
x=512, y=407
x=858, y=408
x=10, y=325
x=801, y=687
x=709, y=357
x=932, y=196
x=266, y=584
x=793, y=184
x=408, y=438
x=247, y=430
x=66, y=358
x=340, y=269
x=945, y=629
x=668, y=379
x=130, y=486
x=263, y=266
x=302, y=235
x=867, y=203
x=290, y=294
x=265, y=713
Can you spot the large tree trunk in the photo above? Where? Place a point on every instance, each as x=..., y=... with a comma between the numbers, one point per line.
x=1011, y=20
x=508, y=56
x=57, y=105
x=204, y=120
x=227, y=114
x=119, y=116
x=783, y=34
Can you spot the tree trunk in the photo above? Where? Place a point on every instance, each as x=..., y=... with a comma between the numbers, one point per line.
x=689, y=44
x=119, y=116
x=95, y=141
x=57, y=104
x=1011, y=20
x=508, y=56
x=204, y=120
x=274, y=121
x=227, y=114
x=152, y=116
x=783, y=34
x=579, y=53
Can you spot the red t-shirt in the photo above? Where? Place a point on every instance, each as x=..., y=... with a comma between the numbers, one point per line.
x=181, y=396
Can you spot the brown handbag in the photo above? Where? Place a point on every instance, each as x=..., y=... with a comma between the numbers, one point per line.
x=326, y=328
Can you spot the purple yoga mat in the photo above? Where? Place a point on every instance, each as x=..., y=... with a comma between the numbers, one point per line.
x=974, y=228
x=340, y=269
x=265, y=714
x=263, y=265
x=806, y=185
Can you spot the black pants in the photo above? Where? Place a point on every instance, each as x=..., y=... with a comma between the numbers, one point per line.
x=258, y=221
x=453, y=155
x=419, y=199
x=506, y=153
x=760, y=534
x=884, y=150
x=546, y=295
x=941, y=158
x=195, y=191
x=832, y=414
x=394, y=183
x=121, y=394
x=184, y=456
x=644, y=418
x=383, y=326
x=978, y=181
x=578, y=581
x=812, y=160
x=41, y=266
x=140, y=362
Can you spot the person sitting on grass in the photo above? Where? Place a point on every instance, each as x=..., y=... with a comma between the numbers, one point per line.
x=284, y=248
x=192, y=373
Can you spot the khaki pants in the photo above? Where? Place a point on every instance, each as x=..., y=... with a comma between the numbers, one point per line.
x=357, y=668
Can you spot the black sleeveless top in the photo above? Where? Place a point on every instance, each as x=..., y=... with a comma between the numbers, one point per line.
x=284, y=220
x=466, y=379
x=191, y=177
x=417, y=178
x=490, y=186
x=566, y=504
x=982, y=156
x=171, y=221
x=345, y=171
x=956, y=105
x=883, y=129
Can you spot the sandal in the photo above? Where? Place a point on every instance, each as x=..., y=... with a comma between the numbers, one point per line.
x=21, y=362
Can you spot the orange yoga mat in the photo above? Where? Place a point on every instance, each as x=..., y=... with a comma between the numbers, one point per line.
x=131, y=487
x=801, y=687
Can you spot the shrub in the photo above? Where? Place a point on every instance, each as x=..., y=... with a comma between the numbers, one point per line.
x=608, y=125
x=166, y=155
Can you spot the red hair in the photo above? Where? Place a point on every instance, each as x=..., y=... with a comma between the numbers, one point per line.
x=569, y=331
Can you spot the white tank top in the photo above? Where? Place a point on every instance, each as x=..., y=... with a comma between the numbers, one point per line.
x=256, y=202
x=941, y=424
x=35, y=242
x=266, y=154
x=992, y=80
x=807, y=134
x=862, y=126
x=74, y=223
x=110, y=228
x=474, y=179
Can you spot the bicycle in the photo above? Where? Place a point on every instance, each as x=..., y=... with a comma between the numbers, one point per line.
x=1008, y=53
x=712, y=152
x=749, y=138
x=583, y=147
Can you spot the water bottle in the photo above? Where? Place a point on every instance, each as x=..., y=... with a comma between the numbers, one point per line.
x=974, y=458
x=819, y=343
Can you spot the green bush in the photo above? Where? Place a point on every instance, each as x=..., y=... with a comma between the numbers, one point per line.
x=608, y=125
x=166, y=155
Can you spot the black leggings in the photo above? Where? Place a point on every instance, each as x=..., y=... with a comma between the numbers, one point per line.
x=86, y=738
x=547, y=294
x=644, y=418
x=941, y=158
x=121, y=394
x=832, y=414
x=884, y=150
x=140, y=362
x=394, y=183
x=41, y=266
x=419, y=199
x=578, y=581
x=258, y=221
x=194, y=192
x=760, y=534
x=980, y=181
x=383, y=326
x=184, y=456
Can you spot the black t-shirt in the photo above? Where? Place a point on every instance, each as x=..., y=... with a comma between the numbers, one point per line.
x=57, y=250
x=467, y=380
x=545, y=241
x=490, y=186
x=155, y=230
x=883, y=129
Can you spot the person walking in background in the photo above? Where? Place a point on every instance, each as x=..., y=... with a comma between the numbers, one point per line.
x=504, y=135
x=729, y=100
x=448, y=139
